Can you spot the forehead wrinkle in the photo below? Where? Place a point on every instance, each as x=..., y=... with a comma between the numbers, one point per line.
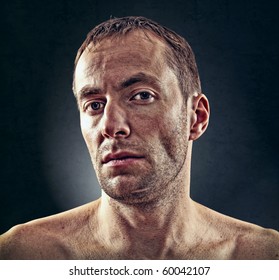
x=92, y=67
x=96, y=59
x=105, y=49
x=95, y=71
x=139, y=77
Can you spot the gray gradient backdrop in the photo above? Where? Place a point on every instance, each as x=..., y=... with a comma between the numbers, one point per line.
x=45, y=167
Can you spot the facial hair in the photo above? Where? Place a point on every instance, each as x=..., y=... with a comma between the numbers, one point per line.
x=159, y=181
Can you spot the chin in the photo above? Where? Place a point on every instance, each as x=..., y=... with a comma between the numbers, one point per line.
x=143, y=199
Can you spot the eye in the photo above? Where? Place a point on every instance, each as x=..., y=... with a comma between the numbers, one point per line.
x=143, y=96
x=94, y=107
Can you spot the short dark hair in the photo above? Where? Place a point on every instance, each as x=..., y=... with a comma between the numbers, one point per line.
x=179, y=54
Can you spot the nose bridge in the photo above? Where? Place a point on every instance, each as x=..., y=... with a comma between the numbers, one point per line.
x=115, y=123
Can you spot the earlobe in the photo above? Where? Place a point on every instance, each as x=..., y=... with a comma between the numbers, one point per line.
x=200, y=116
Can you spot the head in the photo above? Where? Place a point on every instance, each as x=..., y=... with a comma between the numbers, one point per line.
x=138, y=115
x=178, y=52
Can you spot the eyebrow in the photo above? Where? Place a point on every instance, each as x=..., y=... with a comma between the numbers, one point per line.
x=139, y=78
x=134, y=79
x=87, y=91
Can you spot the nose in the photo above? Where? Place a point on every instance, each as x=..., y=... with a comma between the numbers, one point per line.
x=114, y=122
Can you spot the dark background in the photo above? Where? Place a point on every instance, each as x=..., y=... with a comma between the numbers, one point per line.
x=45, y=167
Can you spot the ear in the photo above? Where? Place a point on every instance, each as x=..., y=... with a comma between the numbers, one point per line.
x=199, y=116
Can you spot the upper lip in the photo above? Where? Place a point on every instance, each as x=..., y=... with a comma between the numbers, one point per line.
x=120, y=155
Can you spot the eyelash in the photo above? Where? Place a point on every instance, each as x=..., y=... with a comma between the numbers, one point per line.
x=141, y=92
x=88, y=106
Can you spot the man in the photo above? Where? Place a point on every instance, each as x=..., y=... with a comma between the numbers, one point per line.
x=141, y=107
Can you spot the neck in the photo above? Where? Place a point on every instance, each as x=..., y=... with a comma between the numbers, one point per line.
x=152, y=230
x=154, y=215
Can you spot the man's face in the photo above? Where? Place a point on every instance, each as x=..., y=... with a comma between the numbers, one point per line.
x=133, y=117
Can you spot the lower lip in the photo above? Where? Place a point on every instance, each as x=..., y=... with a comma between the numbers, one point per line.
x=123, y=162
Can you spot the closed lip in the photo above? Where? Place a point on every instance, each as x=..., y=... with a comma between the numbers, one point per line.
x=120, y=156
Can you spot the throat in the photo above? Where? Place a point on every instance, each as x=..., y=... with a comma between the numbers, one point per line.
x=145, y=234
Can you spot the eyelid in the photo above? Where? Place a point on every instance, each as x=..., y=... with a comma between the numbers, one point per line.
x=138, y=91
x=89, y=102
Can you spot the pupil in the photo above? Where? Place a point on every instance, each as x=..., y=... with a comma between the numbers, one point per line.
x=144, y=95
x=95, y=105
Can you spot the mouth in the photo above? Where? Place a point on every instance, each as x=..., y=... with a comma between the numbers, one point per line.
x=121, y=158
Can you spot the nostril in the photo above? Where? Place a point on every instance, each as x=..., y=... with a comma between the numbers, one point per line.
x=121, y=132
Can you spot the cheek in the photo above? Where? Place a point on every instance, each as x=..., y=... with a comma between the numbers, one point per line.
x=88, y=132
x=147, y=126
x=90, y=137
x=173, y=133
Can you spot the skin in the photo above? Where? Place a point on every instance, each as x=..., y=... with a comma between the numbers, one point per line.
x=139, y=129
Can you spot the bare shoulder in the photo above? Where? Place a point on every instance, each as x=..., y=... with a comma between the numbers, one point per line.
x=254, y=242
x=29, y=241
x=45, y=238
x=246, y=240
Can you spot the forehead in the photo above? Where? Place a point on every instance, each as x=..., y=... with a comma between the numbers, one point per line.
x=136, y=51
